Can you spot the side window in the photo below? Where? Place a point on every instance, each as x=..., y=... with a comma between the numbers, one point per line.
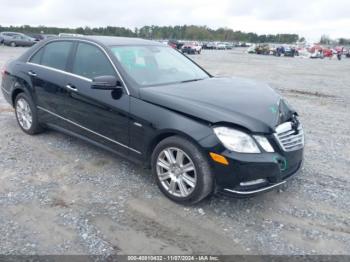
x=90, y=62
x=56, y=54
x=36, y=58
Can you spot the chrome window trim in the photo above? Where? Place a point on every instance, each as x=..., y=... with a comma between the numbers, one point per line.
x=71, y=74
x=61, y=71
x=87, y=129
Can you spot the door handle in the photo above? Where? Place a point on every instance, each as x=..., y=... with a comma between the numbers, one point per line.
x=71, y=88
x=31, y=73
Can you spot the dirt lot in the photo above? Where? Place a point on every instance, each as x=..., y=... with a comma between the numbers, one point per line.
x=59, y=195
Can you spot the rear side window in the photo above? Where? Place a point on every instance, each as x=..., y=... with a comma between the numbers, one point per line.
x=56, y=54
x=36, y=58
x=90, y=61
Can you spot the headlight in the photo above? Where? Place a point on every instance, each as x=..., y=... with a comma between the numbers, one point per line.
x=265, y=144
x=235, y=140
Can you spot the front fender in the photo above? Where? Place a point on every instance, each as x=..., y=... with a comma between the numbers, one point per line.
x=150, y=122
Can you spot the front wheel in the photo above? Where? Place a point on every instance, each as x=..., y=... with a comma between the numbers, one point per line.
x=13, y=44
x=181, y=170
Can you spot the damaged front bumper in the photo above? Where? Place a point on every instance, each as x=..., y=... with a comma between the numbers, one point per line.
x=254, y=187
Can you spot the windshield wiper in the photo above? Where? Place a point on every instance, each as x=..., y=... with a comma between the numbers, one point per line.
x=192, y=80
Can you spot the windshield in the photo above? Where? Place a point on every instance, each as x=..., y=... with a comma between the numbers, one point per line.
x=156, y=65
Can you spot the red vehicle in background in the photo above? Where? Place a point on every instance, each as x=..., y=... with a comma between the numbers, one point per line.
x=316, y=51
x=172, y=44
x=327, y=52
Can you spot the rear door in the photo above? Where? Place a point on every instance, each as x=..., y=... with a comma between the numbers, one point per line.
x=98, y=114
x=47, y=69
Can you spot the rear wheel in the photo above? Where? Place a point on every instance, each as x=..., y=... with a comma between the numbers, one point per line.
x=181, y=170
x=26, y=114
x=13, y=44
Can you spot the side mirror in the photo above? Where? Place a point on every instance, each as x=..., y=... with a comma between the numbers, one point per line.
x=105, y=83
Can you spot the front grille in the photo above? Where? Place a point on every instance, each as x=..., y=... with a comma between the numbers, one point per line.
x=288, y=138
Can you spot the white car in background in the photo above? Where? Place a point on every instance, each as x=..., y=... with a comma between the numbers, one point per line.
x=220, y=46
x=192, y=48
x=69, y=35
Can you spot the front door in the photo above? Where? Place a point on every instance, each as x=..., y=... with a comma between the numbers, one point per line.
x=98, y=114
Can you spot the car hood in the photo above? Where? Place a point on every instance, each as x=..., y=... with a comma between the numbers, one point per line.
x=236, y=101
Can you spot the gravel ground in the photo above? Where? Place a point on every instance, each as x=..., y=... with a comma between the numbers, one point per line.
x=59, y=195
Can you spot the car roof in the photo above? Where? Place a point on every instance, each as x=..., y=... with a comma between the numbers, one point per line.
x=113, y=40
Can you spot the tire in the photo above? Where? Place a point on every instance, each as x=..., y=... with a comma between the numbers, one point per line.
x=191, y=186
x=26, y=114
x=13, y=44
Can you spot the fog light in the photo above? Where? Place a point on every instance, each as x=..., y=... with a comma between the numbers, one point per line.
x=253, y=182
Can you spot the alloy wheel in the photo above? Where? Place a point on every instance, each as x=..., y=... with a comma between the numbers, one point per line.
x=176, y=172
x=24, y=114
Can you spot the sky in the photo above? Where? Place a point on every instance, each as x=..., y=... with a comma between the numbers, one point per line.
x=308, y=18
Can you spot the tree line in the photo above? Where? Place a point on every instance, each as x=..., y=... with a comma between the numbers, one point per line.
x=185, y=32
x=326, y=40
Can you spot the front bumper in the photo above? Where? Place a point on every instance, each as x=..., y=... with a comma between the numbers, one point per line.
x=250, y=174
x=245, y=176
x=254, y=187
x=249, y=192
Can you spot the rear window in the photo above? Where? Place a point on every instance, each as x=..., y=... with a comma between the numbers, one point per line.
x=36, y=58
x=56, y=54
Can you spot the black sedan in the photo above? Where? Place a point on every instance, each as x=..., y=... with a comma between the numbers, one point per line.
x=149, y=103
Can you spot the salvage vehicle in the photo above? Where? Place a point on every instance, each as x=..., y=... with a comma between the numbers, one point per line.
x=347, y=53
x=210, y=45
x=290, y=51
x=191, y=48
x=327, y=52
x=220, y=46
x=229, y=46
x=251, y=49
x=317, y=54
x=262, y=49
x=148, y=102
x=7, y=35
x=19, y=40
x=16, y=39
x=316, y=51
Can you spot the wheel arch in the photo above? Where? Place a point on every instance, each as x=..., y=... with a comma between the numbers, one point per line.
x=163, y=135
x=20, y=86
